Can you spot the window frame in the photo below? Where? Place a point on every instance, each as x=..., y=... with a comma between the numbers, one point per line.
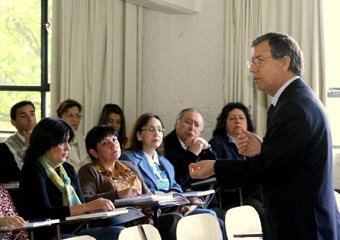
x=333, y=92
x=44, y=87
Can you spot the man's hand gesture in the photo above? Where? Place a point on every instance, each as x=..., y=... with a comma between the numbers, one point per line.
x=248, y=144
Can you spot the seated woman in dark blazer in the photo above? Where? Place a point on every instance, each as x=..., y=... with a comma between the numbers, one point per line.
x=106, y=176
x=49, y=186
x=232, y=117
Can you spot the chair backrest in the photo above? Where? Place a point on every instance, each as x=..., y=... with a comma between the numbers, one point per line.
x=84, y=237
x=242, y=220
x=137, y=233
x=199, y=227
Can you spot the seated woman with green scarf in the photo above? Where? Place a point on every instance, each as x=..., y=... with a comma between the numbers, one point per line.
x=49, y=186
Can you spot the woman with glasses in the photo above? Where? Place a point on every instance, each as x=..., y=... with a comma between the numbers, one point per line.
x=112, y=115
x=70, y=111
x=145, y=151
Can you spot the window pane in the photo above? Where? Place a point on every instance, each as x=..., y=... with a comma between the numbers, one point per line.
x=48, y=106
x=334, y=119
x=8, y=99
x=20, y=42
x=332, y=53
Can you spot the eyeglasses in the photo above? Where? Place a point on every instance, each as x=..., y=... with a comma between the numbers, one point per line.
x=195, y=124
x=153, y=129
x=256, y=61
x=70, y=115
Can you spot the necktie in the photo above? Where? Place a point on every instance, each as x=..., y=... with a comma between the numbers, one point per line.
x=270, y=113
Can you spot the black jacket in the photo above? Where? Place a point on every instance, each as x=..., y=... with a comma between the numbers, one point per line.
x=181, y=158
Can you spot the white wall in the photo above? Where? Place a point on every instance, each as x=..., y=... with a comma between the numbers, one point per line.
x=183, y=63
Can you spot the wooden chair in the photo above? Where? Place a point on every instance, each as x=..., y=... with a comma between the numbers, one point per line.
x=243, y=223
x=140, y=232
x=84, y=237
x=199, y=227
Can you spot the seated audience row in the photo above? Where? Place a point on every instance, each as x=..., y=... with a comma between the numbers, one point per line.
x=107, y=177
x=23, y=119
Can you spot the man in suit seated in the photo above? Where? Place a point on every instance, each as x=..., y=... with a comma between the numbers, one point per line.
x=184, y=144
x=14, y=147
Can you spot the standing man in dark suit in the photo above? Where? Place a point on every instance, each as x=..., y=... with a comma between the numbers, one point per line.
x=184, y=145
x=294, y=162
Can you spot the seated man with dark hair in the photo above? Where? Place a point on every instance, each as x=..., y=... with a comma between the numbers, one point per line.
x=14, y=147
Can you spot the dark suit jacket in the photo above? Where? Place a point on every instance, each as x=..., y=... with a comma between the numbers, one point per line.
x=41, y=199
x=181, y=158
x=9, y=170
x=226, y=150
x=294, y=168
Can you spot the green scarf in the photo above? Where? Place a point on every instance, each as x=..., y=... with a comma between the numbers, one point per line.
x=62, y=182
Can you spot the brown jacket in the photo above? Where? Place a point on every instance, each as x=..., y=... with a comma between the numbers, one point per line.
x=95, y=184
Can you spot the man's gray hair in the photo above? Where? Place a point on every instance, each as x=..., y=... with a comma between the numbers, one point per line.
x=180, y=115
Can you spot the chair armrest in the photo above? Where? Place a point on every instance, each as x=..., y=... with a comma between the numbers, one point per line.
x=204, y=182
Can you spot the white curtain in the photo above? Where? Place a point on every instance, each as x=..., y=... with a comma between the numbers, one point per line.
x=247, y=19
x=96, y=56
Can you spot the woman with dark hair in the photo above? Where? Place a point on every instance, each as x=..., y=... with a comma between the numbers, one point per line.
x=112, y=115
x=145, y=151
x=70, y=111
x=107, y=176
x=49, y=186
x=231, y=119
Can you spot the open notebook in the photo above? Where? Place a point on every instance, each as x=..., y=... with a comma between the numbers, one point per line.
x=163, y=199
x=115, y=212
